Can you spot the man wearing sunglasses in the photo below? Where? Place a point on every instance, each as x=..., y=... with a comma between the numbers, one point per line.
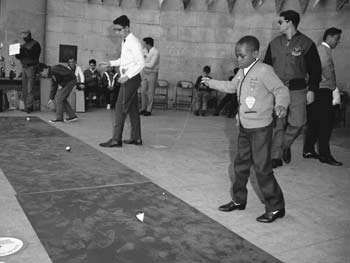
x=296, y=61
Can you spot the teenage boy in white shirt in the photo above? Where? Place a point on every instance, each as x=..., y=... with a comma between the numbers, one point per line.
x=131, y=63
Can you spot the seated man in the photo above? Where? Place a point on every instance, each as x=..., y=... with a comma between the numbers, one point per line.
x=92, y=83
x=229, y=102
x=72, y=64
x=202, y=94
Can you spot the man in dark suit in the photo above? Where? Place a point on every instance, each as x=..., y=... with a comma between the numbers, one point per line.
x=320, y=113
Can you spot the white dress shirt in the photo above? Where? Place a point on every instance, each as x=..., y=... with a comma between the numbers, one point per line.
x=246, y=70
x=152, y=60
x=131, y=61
x=325, y=44
x=79, y=74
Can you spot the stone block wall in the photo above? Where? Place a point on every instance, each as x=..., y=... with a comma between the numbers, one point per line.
x=187, y=39
x=16, y=15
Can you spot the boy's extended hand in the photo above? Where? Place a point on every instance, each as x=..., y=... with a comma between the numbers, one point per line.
x=280, y=111
x=205, y=81
x=123, y=79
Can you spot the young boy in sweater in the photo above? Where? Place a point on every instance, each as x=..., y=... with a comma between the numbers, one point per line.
x=260, y=92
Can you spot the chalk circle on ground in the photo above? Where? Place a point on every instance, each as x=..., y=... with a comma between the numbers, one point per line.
x=159, y=146
x=9, y=245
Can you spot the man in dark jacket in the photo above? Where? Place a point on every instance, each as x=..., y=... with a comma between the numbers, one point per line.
x=295, y=60
x=63, y=81
x=29, y=57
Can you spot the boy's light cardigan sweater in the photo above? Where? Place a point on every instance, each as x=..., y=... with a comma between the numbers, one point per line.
x=261, y=83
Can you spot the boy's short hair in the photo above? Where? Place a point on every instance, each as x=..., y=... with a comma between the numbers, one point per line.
x=149, y=41
x=41, y=67
x=122, y=21
x=291, y=15
x=206, y=69
x=92, y=61
x=332, y=31
x=250, y=41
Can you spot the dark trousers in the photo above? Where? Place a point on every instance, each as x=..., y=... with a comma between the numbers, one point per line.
x=254, y=149
x=320, y=115
x=28, y=76
x=62, y=104
x=127, y=104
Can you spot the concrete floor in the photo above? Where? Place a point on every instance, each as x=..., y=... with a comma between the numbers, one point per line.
x=190, y=157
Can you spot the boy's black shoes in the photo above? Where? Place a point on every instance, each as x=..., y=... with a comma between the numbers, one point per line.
x=330, y=160
x=310, y=155
x=287, y=155
x=232, y=206
x=276, y=163
x=110, y=143
x=269, y=217
x=147, y=113
x=135, y=142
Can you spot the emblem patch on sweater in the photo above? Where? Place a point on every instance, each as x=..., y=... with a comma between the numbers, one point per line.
x=296, y=51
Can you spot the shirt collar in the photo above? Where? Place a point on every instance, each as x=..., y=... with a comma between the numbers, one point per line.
x=245, y=70
x=325, y=44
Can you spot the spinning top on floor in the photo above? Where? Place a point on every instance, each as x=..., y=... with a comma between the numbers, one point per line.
x=68, y=148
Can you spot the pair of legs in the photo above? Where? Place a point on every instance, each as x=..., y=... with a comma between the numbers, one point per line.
x=127, y=104
x=287, y=129
x=254, y=149
x=202, y=98
x=320, y=117
x=62, y=104
x=148, y=87
x=28, y=77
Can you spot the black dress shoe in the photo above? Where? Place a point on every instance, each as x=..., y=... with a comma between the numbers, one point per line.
x=269, y=217
x=276, y=163
x=136, y=142
x=329, y=160
x=287, y=155
x=232, y=206
x=29, y=110
x=110, y=143
x=147, y=113
x=310, y=155
x=142, y=112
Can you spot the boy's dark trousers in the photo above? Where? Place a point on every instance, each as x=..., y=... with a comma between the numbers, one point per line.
x=254, y=148
x=127, y=103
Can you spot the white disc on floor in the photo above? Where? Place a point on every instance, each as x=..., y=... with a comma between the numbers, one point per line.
x=9, y=245
x=158, y=146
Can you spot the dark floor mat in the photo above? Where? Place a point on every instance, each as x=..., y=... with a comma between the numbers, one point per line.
x=27, y=127
x=100, y=225
x=97, y=223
